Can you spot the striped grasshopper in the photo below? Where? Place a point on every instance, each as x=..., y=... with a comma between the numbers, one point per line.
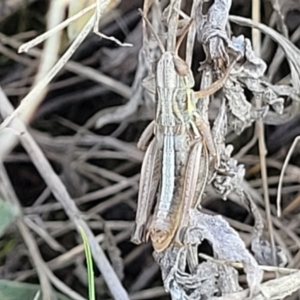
x=173, y=170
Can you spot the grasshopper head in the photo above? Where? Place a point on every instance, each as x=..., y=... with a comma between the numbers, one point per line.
x=161, y=239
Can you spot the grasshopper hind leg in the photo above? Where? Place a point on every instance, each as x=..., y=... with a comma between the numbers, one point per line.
x=141, y=232
x=138, y=235
x=150, y=177
x=146, y=136
x=189, y=190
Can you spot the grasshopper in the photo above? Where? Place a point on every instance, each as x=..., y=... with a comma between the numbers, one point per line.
x=172, y=166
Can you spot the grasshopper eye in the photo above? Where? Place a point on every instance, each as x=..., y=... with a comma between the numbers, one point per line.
x=181, y=66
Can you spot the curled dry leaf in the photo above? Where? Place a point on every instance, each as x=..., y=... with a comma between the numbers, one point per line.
x=231, y=182
x=226, y=244
x=206, y=280
x=292, y=54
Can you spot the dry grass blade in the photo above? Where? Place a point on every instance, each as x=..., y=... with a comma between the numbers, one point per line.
x=28, y=238
x=30, y=102
x=101, y=5
x=84, y=71
x=60, y=192
x=279, y=288
x=278, y=10
x=44, y=273
x=256, y=40
x=285, y=164
x=25, y=47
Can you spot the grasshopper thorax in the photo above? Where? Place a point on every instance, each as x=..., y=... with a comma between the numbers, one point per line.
x=165, y=72
x=169, y=68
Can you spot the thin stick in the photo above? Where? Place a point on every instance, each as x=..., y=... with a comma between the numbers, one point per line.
x=256, y=41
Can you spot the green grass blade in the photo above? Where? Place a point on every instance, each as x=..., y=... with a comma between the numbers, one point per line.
x=89, y=263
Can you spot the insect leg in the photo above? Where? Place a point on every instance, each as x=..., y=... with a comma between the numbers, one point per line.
x=205, y=131
x=202, y=178
x=150, y=176
x=217, y=85
x=189, y=189
x=146, y=136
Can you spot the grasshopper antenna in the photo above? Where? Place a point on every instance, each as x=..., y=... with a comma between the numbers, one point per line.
x=180, y=40
x=160, y=44
x=181, y=66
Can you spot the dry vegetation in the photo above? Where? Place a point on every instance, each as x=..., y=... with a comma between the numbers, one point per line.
x=73, y=108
